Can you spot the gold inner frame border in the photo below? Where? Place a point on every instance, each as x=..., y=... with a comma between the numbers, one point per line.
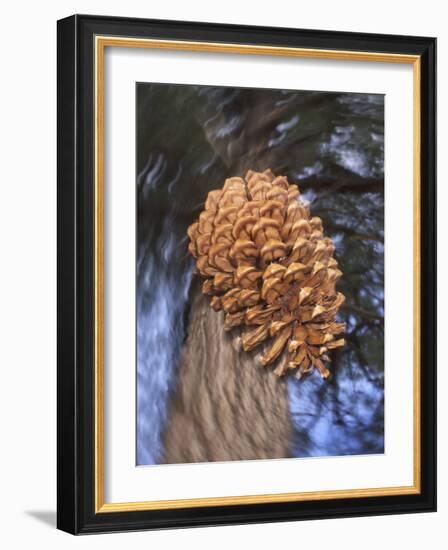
x=100, y=44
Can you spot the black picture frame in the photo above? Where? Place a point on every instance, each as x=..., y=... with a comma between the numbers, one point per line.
x=76, y=225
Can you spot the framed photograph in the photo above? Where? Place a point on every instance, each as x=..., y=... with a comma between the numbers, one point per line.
x=246, y=274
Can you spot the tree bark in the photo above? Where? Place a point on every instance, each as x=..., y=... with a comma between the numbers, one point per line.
x=226, y=405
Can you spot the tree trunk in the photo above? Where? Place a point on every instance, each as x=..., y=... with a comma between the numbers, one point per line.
x=226, y=406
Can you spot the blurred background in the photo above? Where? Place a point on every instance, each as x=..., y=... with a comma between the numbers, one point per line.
x=189, y=140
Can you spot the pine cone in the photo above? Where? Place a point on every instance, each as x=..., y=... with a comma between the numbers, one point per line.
x=268, y=266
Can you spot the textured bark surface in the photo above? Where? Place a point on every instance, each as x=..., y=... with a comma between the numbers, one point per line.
x=226, y=405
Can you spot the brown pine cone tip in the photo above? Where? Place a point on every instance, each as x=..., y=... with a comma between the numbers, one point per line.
x=269, y=267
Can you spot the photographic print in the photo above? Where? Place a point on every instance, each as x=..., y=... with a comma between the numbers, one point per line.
x=260, y=274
